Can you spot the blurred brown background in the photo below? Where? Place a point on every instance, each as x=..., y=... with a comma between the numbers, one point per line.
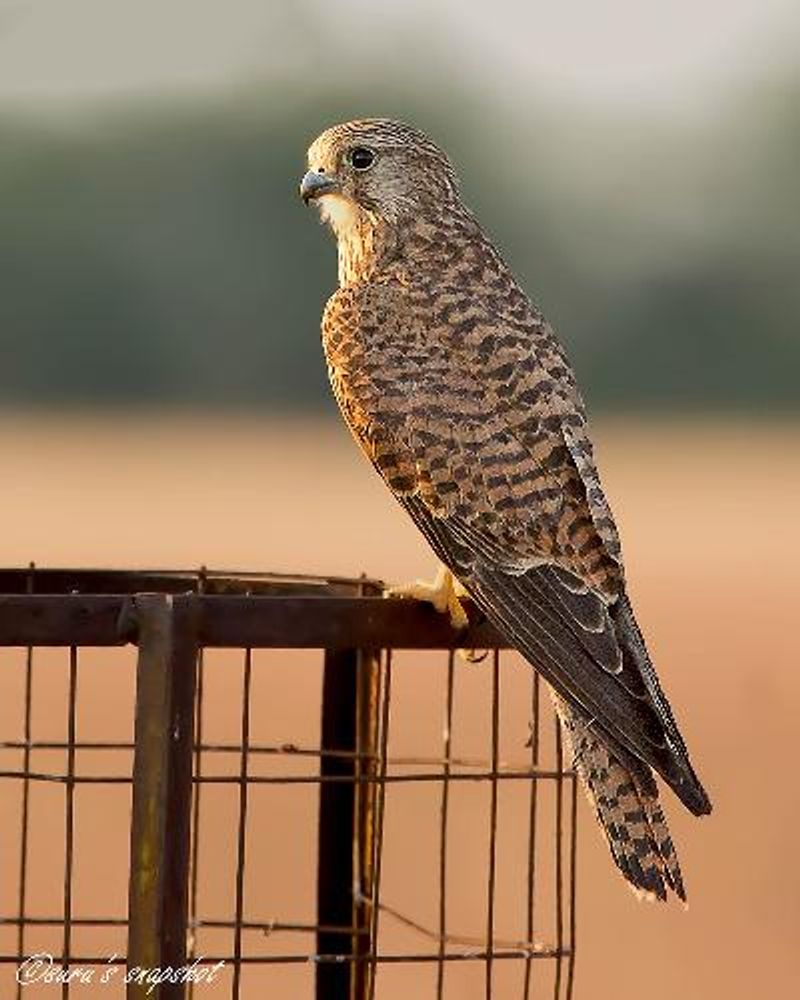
x=164, y=399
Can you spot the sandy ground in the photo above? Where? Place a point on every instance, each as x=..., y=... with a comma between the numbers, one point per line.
x=708, y=515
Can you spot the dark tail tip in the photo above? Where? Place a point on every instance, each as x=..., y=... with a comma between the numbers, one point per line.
x=700, y=803
x=691, y=793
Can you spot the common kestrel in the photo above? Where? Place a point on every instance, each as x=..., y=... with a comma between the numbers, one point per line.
x=459, y=393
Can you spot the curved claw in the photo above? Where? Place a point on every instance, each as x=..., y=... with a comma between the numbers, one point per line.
x=442, y=594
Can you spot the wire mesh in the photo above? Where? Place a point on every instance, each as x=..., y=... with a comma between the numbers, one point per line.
x=362, y=823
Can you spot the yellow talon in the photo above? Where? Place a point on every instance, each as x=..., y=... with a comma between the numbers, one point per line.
x=443, y=594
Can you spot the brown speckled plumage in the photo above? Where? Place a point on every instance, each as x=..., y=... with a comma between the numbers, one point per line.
x=456, y=388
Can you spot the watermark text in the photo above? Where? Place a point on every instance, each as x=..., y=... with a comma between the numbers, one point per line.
x=42, y=968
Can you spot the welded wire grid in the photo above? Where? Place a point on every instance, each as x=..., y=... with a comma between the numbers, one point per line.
x=450, y=833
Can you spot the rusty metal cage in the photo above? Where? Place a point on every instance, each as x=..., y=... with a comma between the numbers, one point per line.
x=150, y=811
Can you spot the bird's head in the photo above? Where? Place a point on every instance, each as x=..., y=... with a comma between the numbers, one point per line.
x=378, y=170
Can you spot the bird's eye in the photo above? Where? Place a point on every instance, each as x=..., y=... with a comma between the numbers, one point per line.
x=361, y=158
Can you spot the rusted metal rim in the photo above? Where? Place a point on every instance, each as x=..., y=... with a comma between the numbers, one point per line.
x=35, y=580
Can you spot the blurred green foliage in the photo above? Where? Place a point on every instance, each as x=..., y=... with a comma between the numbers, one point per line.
x=160, y=254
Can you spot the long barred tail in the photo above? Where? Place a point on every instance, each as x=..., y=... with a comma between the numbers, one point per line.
x=624, y=795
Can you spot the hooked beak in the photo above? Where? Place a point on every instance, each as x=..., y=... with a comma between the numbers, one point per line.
x=314, y=184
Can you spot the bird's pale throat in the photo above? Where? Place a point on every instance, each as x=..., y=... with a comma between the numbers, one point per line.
x=361, y=236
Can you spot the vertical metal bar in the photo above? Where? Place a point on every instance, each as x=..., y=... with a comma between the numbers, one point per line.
x=69, y=816
x=443, y=820
x=202, y=575
x=573, y=867
x=367, y=719
x=493, y=822
x=242, y=835
x=162, y=789
x=336, y=822
x=559, y=751
x=194, y=860
x=380, y=808
x=22, y=887
x=532, y=825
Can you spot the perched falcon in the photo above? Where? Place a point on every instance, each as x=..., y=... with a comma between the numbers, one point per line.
x=457, y=390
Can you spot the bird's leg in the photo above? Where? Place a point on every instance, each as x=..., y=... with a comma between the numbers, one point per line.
x=443, y=594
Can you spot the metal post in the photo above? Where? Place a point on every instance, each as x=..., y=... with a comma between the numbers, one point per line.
x=346, y=820
x=162, y=789
x=336, y=821
x=367, y=717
